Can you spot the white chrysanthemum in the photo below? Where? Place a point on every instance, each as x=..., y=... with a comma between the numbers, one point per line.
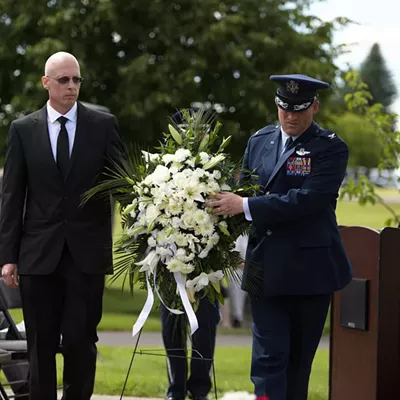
x=164, y=220
x=175, y=265
x=187, y=268
x=174, y=207
x=202, y=217
x=206, y=229
x=181, y=240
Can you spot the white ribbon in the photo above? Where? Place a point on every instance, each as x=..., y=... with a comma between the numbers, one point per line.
x=193, y=323
x=171, y=310
x=148, y=305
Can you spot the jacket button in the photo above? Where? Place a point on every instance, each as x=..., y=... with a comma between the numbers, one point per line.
x=269, y=232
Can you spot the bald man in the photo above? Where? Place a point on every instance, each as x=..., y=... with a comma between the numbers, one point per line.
x=51, y=246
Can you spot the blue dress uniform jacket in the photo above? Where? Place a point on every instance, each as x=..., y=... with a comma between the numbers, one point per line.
x=295, y=247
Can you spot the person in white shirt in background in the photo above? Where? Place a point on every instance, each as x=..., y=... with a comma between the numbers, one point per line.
x=232, y=311
x=237, y=296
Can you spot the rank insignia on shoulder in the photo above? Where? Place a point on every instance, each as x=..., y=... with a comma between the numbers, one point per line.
x=302, y=152
x=331, y=136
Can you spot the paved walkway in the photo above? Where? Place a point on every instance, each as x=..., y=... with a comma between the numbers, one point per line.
x=148, y=339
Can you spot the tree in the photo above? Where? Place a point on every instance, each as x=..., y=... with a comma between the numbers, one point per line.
x=144, y=59
x=363, y=141
x=358, y=102
x=375, y=73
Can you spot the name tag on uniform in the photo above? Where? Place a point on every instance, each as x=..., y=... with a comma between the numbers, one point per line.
x=298, y=166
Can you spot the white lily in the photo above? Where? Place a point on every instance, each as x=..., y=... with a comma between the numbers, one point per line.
x=198, y=283
x=149, y=263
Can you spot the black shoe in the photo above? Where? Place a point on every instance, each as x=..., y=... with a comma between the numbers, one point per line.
x=169, y=397
x=197, y=397
x=236, y=323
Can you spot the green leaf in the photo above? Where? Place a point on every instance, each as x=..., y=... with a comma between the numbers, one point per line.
x=223, y=230
x=175, y=134
x=204, y=142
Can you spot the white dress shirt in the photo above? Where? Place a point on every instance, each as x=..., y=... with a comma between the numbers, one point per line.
x=54, y=127
x=246, y=209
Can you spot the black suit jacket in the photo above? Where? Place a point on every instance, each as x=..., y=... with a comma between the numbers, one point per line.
x=40, y=211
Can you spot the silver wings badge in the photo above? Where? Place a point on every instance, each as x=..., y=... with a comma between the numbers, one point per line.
x=302, y=152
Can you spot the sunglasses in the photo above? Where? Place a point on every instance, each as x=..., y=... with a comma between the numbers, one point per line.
x=65, y=79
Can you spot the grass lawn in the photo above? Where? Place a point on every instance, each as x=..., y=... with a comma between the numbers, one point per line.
x=373, y=216
x=148, y=375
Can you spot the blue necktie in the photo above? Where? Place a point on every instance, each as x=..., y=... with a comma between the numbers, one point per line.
x=288, y=142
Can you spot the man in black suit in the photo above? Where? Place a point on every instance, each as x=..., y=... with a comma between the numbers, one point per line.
x=56, y=249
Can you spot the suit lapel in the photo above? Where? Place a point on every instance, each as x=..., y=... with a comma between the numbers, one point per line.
x=304, y=138
x=43, y=142
x=82, y=123
x=270, y=152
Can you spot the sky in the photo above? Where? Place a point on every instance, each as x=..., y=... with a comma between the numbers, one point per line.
x=378, y=22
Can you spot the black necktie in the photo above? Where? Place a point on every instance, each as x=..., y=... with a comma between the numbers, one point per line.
x=288, y=142
x=63, y=148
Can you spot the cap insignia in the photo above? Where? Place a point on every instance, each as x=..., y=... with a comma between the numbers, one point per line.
x=292, y=87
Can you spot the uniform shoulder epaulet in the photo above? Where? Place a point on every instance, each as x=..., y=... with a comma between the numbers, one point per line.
x=265, y=131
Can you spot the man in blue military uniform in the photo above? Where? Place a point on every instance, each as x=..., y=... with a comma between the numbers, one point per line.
x=174, y=333
x=295, y=257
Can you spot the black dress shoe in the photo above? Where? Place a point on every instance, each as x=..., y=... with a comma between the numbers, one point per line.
x=197, y=397
x=237, y=323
